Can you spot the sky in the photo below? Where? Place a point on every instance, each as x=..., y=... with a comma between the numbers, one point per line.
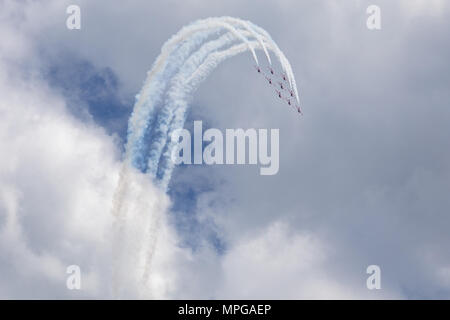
x=364, y=175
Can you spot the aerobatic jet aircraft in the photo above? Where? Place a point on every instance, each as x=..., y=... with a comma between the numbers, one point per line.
x=281, y=85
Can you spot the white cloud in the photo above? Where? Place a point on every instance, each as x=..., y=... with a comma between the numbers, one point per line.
x=279, y=264
x=57, y=179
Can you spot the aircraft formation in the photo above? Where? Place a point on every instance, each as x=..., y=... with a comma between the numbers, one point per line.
x=281, y=86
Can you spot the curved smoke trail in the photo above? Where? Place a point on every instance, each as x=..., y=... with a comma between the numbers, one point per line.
x=186, y=60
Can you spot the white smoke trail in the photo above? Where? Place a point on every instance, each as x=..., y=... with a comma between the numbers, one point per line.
x=153, y=90
x=135, y=123
x=141, y=111
x=169, y=120
x=181, y=92
x=152, y=93
x=179, y=83
x=283, y=60
x=191, y=74
x=181, y=88
x=178, y=80
x=248, y=26
x=146, y=102
x=156, y=150
x=175, y=75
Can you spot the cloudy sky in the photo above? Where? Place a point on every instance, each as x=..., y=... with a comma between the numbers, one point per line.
x=364, y=176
